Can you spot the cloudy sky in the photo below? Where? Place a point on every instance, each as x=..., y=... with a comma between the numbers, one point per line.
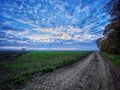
x=52, y=24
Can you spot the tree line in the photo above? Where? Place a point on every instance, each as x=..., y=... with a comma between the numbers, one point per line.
x=110, y=42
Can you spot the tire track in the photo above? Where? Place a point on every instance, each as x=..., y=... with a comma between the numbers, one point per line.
x=91, y=73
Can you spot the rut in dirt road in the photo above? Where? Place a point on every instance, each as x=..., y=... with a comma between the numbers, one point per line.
x=91, y=73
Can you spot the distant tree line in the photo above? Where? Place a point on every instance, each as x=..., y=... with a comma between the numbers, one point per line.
x=110, y=42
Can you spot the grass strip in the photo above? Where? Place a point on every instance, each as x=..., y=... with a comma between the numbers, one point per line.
x=113, y=57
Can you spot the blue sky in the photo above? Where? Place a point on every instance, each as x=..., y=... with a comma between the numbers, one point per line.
x=52, y=24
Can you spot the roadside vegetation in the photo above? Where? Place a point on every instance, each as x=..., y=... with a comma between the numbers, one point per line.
x=113, y=57
x=24, y=67
x=110, y=42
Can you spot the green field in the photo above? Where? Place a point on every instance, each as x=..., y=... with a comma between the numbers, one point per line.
x=113, y=57
x=31, y=63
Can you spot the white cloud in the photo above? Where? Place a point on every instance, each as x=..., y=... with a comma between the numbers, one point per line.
x=78, y=9
x=13, y=32
x=85, y=9
x=43, y=10
x=22, y=21
x=64, y=36
x=9, y=31
x=23, y=32
x=40, y=38
x=28, y=22
x=58, y=4
x=69, y=33
x=60, y=33
x=60, y=30
x=21, y=7
x=73, y=30
x=30, y=11
x=69, y=16
x=88, y=37
x=54, y=31
x=35, y=10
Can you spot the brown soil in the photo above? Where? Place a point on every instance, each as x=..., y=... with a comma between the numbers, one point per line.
x=91, y=73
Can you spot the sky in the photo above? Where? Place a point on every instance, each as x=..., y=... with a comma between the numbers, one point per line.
x=52, y=24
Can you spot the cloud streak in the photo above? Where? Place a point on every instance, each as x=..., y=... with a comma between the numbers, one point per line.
x=52, y=23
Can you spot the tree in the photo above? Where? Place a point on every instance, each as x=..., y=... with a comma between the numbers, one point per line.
x=111, y=40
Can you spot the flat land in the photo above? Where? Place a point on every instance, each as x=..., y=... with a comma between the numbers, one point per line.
x=59, y=70
x=91, y=73
x=18, y=67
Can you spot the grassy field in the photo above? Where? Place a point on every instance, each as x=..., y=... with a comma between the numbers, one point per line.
x=113, y=57
x=31, y=63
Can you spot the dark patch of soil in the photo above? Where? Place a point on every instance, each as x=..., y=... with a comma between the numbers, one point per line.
x=6, y=58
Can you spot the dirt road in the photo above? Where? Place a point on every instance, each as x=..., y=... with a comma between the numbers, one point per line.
x=91, y=73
